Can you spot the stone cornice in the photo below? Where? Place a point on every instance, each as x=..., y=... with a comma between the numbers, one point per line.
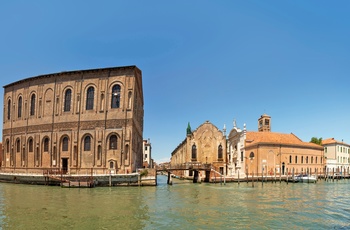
x=133, y=67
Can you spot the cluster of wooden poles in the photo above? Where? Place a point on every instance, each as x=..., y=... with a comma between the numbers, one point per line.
x=328, y=174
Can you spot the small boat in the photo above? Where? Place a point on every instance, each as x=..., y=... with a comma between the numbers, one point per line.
x=305, y=178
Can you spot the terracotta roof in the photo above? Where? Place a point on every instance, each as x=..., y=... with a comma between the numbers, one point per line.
x=253, y=138
x=333, y=141
x=328, y=141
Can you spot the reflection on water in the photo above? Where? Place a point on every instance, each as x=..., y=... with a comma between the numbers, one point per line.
x=184, y=205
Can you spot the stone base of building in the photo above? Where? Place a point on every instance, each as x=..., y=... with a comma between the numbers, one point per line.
x=133, y=179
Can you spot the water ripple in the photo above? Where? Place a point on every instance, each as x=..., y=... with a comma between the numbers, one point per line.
x=183, y=205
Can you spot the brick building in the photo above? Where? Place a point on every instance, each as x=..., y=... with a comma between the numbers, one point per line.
x=271, y=153
x=74, y=121
x=1, y=150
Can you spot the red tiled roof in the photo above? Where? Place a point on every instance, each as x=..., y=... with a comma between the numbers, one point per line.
x=328, y=141
x=253, y=138
x=333, y=141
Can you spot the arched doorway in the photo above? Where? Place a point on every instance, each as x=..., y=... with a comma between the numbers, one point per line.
x=283, y=168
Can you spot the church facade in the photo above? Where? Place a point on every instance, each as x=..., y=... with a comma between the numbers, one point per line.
x=74, y=121
x=204, y=146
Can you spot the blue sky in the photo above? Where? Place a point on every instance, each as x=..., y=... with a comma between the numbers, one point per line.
x=201, y=60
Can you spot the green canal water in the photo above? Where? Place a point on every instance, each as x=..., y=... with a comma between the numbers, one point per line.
x=324, y=205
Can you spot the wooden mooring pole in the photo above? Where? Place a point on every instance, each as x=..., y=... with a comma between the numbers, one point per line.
x=238, y=176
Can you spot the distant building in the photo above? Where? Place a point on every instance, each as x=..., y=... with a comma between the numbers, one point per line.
x=205, y=145
x=236, y=152
x=147, y=154
x=336, y=155
x=74, y=121
x=270, y=153
x=163, y=166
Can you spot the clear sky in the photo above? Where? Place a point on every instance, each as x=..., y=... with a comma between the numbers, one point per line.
x=201, y=60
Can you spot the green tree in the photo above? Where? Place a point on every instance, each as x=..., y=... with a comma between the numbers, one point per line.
x=316, y=140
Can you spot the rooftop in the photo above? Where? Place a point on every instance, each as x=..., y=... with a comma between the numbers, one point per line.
x=253, y=138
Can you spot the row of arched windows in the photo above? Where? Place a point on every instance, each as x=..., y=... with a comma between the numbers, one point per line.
x=113, y=144
x=89, y=105
x=194, y=152
x=303, y=160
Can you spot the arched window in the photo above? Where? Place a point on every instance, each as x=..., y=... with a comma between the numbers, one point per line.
x=9, y=110
x=65, y=144
x=307, y=160
x=312, y=160
x=115, y=103
x=90, y=98
x=46, y=144
x=67, y=100
x=111, y=165
x=302, y=159
x=18, y=145
x=194, y=152
x=220, y=151
x=19, y=114
x=30, y=145
x=113, y=142
x=87, y=143
x=316, y=160
x=290, y=159
x=32, y=105
x=296, y=159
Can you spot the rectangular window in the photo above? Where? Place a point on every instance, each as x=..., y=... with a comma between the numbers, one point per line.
x=145, y=156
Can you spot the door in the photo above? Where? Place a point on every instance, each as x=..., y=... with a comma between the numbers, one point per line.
x=64, y=165
x=207, y=176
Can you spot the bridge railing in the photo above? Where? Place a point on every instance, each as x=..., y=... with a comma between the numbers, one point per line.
x=189, y=166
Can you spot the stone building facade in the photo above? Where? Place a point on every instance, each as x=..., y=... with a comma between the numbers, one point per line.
x=74, y=121
x=337, y=155
x=236, y=152
x=204, y=146
x=147, y=154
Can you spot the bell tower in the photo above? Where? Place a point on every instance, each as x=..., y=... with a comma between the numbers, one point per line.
x=264, y=123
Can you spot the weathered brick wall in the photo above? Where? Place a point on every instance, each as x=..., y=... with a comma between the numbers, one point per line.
x=51, y=121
